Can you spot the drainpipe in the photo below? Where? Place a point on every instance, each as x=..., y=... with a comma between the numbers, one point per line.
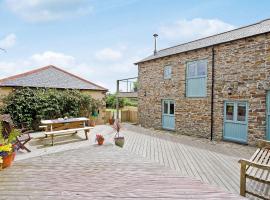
x=212, y=93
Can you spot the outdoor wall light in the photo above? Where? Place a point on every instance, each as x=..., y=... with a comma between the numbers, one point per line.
x=230, y=90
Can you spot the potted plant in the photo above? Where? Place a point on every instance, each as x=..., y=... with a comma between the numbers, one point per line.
x=7, y=154
x=119, y=140
x=111, y=120
x=7, y=143
x=93, y=120
x=99, y=139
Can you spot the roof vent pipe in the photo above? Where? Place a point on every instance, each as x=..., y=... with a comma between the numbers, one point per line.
x=155, y=48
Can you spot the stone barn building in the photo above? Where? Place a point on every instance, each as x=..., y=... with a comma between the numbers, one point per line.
x=216, y=87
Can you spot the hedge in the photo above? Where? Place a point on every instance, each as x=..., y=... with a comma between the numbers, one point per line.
x=30, y=105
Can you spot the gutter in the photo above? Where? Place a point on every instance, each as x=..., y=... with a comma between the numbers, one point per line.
x=212, y=92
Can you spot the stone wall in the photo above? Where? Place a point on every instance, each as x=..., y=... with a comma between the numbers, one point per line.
x=243, y=65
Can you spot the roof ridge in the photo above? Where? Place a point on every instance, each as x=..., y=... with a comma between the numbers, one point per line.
x=242, y=27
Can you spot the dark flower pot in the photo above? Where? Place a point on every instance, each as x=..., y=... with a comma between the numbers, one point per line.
x=119, y=141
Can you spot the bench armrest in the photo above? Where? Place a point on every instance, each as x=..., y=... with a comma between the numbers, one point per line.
x=263, y=143
x=253, y=164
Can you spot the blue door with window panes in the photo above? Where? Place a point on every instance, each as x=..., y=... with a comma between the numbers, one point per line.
x=168, y=116
x=235, y=121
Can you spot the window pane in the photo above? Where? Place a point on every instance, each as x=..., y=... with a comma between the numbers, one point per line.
x=171, y=108
x=191, y=69
x=241, y=112
x=229, y=111
x=167, y=72
x=165, y=107
x=201, y=68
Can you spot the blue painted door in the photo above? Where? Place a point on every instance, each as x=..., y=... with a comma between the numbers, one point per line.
x=168, y=117
x=235, y=121
x=268, y=116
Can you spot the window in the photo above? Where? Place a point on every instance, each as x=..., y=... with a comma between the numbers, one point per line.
x=229, y=111
x=167, y=72
x=196, y=77
x=241, y=112
x=236, y=112
x=171, y=108
x=165, y=108
x=168, y=107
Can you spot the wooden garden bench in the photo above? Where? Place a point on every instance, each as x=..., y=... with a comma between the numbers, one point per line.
x=257, y=170
x=23, y=138
x=53, y=134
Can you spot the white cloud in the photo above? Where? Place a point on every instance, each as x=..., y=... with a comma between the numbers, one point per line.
x=50, y=57
x=8, y=41
x=109, y=54
x=41, y=10
x=186, y=30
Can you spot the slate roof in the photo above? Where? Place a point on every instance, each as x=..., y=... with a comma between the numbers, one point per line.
x=50, y=77
x=242, y=32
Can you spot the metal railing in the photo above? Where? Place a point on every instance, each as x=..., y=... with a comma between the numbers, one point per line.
x=127, y=85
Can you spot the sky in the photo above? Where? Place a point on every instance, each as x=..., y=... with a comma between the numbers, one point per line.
x=100, y=40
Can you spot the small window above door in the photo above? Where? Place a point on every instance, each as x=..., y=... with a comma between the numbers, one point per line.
x=168, y=72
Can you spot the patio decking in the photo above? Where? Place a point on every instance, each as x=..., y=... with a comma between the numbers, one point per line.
x=170, y=166
x=99, y=172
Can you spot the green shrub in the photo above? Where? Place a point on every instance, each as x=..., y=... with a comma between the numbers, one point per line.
x=111, y=101
x=30, y=105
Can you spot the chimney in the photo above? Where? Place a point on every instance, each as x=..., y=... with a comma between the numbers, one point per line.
x=155, y=38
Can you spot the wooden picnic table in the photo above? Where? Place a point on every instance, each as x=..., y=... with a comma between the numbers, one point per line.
x=58, y=127
x=61, y=123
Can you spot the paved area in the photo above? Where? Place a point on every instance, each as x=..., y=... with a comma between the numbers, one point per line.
x=99, y=172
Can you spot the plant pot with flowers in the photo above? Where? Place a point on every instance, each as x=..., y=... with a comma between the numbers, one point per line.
x=7, y=143
x=118, y=140
x=99, y=139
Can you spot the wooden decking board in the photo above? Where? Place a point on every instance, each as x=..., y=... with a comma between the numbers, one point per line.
x=217, y=179
x=104, y=172
x=210, y=167
x=231, y=174
x=203, y=168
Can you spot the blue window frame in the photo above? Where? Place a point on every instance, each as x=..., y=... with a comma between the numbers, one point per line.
x=196, y=78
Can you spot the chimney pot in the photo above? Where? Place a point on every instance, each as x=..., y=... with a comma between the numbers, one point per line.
x=155, y=39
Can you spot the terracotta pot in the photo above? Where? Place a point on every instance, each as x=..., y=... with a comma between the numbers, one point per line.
x=119, y=141
x=7, y=160
x=100, y=142
x=111, y=121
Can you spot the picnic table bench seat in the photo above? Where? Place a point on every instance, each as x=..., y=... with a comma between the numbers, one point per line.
x=255, y=172
x=52, y=134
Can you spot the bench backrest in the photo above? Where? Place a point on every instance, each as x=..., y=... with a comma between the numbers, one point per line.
x=7, y=125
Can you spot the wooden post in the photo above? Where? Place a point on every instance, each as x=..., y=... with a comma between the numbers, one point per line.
x=117, y=100
x=86, y=134
x=243, y=179
x=52, y=139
